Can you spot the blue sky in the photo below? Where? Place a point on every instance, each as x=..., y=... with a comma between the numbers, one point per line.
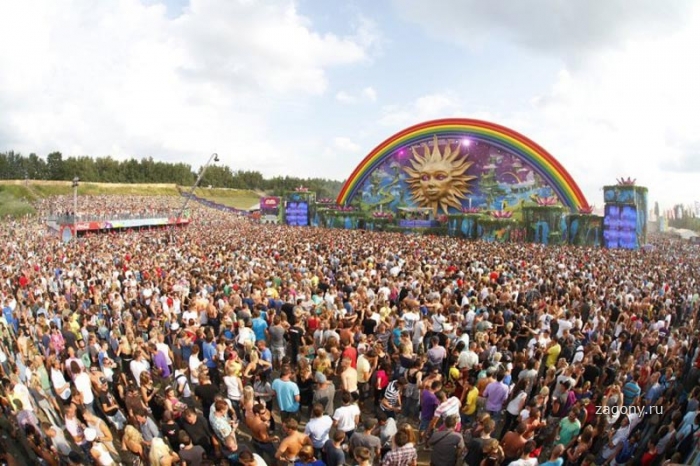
x=309, y=87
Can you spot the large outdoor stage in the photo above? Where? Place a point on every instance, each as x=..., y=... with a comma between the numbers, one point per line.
x=476, y=180
x=66, y=228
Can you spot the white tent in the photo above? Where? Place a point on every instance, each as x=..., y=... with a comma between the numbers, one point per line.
x=683, y=233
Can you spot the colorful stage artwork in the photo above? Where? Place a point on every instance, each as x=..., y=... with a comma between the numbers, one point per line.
x=446, y=166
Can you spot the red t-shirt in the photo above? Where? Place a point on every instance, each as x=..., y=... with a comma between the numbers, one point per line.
x=648, y=458
x=351, y=353
x=312, y=324
x=382, y=379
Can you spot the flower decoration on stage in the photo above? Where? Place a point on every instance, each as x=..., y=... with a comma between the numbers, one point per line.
x=386, y=215
x=586, y=210
x=442, y=218
x=438, y=180
x=348, y=208
x=546, y=201
x=626, y=181
x=502, y=214
x=471, y=210
x=325, y=200
x=302, y=189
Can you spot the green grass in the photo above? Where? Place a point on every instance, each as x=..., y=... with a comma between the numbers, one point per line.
x=14, y=205
x=56, y=188
x=16, y=197
x=236, y=198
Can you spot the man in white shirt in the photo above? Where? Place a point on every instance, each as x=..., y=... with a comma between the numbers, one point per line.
x=347, y=416
x=165, y=349
x=319, y=427
x=188, y=315
x=564, y=325
x=137, y=366
x=410, y=317
x=468, y=358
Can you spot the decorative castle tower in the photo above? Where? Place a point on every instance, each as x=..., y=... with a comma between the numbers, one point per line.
x=625, y=222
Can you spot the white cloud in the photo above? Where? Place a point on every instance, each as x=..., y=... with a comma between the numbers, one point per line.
x=123, y=78
x=567, y=26
x=625, y=102
x=368, y=94
x=630, y=112
x=427, y=107
x=345, y=97
x=345, y=145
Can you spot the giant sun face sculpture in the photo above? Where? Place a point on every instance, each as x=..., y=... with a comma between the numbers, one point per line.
x=438, y=180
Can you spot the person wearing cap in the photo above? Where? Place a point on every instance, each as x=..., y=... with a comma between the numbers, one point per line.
x=324, y=393
x=104, y=434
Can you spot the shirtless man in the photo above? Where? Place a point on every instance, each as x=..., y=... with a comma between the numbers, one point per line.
x=292, y=443
x=259, y=425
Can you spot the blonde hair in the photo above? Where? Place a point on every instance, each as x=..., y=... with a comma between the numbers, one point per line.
x=248, y=394
x=409, y=431
x=159, y=450
x=132, y=435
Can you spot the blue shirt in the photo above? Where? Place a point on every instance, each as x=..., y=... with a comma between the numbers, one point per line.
x=286, y=391
x=209, y=353
x=630, y=391
x=556, y=462
x=397, y=336
x=259, y=327
x=266, y=355
x=7, y=311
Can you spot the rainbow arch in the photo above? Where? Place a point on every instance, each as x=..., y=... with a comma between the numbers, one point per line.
x=541, y=161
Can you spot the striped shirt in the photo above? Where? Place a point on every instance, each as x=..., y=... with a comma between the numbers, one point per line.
x=449, y=407
x=630, y=391
x=393, y=393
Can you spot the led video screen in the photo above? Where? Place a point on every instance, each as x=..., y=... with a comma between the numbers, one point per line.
x=297, y=214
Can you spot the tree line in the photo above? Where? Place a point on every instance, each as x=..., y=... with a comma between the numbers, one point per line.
x=15, y=166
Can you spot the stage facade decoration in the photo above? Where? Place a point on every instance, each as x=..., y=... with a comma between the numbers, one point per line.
x=478, y=180
x=445, y=166
x=625, y=223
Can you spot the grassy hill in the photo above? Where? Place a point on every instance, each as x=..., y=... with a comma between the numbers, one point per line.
x=236, y=198
x=16, y=196
x=15, y=201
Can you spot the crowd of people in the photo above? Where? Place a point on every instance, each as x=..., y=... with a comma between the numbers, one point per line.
x=105, y=207
x=239, y=343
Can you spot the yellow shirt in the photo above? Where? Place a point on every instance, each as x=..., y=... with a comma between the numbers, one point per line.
x=470, y=404
x=363, y=369
x=553, y=355
x=384, y=312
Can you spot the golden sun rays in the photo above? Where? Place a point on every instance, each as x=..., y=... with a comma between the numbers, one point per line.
x=438, y=180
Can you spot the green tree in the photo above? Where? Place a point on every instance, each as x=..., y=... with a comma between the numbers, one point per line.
x=54, y=165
